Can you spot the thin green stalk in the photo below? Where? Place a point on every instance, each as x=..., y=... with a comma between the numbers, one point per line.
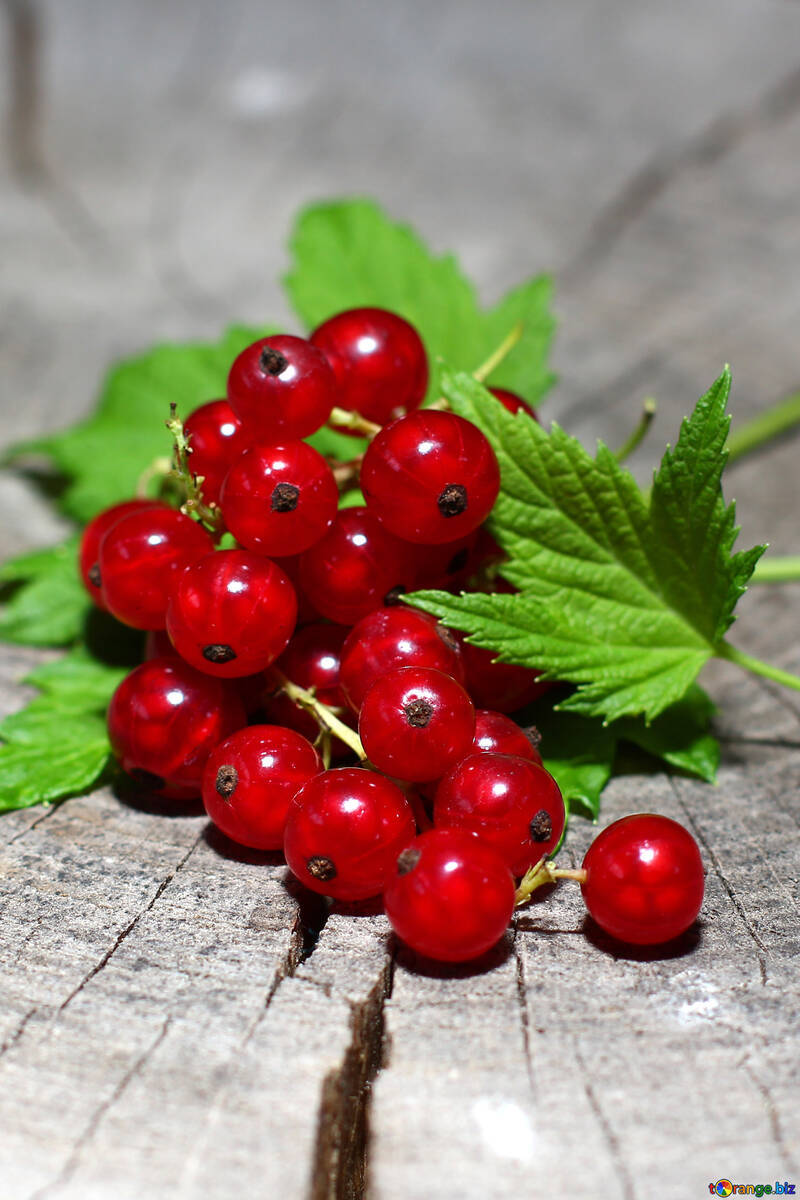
x=640, y=432
x=778, y=419
x=508, y=343
x=777, y=569
x=726, y=650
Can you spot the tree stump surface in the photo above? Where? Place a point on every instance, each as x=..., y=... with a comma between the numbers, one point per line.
x=179, y=1021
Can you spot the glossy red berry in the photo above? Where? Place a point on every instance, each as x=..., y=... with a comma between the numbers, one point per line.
x=446, y=565
x=140, y=558
x=164, y=720
x=395, y=637
x=216, y=439
x=311, y=660
x=379, y=362
x=510, y=802
x=94, y=533
x=232, y=613
x=416, y=722
x=250, y=780
x=644, y=879
x=344, y=831
x=430, y=477
x=496, y=733
x=281, y=388
x=501, y=686
x=513, y=402
x=352, y=569
x=451, y=896
x=279, y=500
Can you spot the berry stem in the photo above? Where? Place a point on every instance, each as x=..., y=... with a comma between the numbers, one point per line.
x=193, y=504
x=159, y=468
x=346, y=474
x=726, y=650
x=777, y=419
x=322, y=713
x=778, y=569
x=508, y=343
x=542, y=873
x=353, y=420
x=639, y=433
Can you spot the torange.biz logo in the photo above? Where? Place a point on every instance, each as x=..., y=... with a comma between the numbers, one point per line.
x=724, y=1187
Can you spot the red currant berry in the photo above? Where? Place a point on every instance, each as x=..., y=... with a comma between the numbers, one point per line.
x=644, y=879
x=510, y=802
x=504, y=687
x=311, y=660
x=430, y=477
x=344, y=831
x=279, y=499
x=379, y=362
x=164, y=720
x=513, y=402
x=232, y=613
x=496, y=733
x=306, y=610
x=445, y=565
x=216, y=439
x=395, y=637
x=351, y=570
x=140, y=558
x=281, y=388
x=250, y=779
x=94, y=533
x=415, y=723
x=451, y=896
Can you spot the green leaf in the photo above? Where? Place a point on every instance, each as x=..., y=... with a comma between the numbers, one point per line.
x=627, y=600
x=58, y=746
x=679, y=736
x=348, y=253
x=579, y=754
x=48, y=604
x=104, y=456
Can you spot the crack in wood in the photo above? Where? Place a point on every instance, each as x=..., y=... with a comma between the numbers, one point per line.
x=525, y=1025
x=14, y=1037
x=611, y=1139
x=773, y=1117
x=33, y=825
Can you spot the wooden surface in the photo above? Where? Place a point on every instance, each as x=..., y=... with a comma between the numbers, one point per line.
x=177, y=1022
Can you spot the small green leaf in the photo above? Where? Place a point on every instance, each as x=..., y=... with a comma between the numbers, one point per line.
x=348, y=254
x=679, y=736
x=58, y=746
x=104, y=456
x=579, y=754
x=48, y=604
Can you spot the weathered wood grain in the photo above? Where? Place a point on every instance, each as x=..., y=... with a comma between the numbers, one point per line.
x=175, y=1021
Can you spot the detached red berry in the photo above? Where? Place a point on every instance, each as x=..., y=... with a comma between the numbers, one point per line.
x=510, y=802
x=379, y=362
x=250, y=780
x=430, y=477
x=164, y=720
x=415, y=723
x=232, y=613
x=344, y=831
x=644, y=879
x=451, y=896
x=281, y=387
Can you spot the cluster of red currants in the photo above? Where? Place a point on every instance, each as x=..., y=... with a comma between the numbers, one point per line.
x=299, y=631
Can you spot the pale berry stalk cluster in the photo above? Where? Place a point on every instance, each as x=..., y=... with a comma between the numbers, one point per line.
x=267, y=662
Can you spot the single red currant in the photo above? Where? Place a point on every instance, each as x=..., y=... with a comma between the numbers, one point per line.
x=513, y=402
x=281, y=388
x=250, y=780
x=501, y=686
x=510, y=802
x=430, y=477
x=344, y=831
x=644, y=879
x=445, y=565
x=496, y=733
x=416, y=722
x=351, y=570
x=94, y=533
x=164, y=720
x=216, y=439
x=232, y=613
x=279, y=500
x=306, y=610
x=140, y=558
x=379, y=362
x=311, y=660
x=395, y=637
x=451, y=896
